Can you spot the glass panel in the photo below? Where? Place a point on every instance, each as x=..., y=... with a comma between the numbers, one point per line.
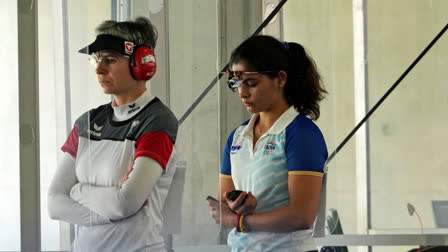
x=408, y=134
x=187, y=56
x=324, y=28
x=47, y=114
x=9, y=118
x=190, y=54
x=193, y=64
x=68, y=88
x=182, y=74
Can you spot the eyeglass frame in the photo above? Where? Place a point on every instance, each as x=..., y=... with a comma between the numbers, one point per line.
x=96, y=58
x=232, y=80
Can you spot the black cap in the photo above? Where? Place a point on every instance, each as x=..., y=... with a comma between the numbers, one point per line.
x=109, y=42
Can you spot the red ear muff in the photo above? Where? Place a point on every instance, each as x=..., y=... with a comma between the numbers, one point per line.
x=143, y=63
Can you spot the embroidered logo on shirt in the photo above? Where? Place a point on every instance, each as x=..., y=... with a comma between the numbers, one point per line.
x=133, y=108
x=133, y=125
x=96, y=127
x=96, y=130
x=235, y=148
x=269, y=148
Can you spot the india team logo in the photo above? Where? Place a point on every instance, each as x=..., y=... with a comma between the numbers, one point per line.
x=269, y=148
x=235, y=148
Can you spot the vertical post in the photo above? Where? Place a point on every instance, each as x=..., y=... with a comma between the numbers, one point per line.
x=123, y=10
x=275, y=27
x=361, y=104
x=113, y=10
x=166, y=54
x=29, y=125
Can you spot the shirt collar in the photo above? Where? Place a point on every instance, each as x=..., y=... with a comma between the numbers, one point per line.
x=127, y=111
x=282, y=122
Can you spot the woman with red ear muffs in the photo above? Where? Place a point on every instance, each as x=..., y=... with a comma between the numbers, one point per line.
x=118, y=161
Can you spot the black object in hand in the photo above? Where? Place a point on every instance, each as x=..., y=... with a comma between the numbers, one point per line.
x=234, y=194
x=211, y=198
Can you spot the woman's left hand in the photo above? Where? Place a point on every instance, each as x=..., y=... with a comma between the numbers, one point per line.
x=225, y=216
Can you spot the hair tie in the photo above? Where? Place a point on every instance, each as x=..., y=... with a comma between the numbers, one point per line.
x=285, y=45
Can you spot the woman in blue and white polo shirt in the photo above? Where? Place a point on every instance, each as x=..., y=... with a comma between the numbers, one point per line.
x=276, y=157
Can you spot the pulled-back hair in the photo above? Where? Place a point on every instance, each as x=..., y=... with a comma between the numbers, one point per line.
x=303, y=88
x=139, y=31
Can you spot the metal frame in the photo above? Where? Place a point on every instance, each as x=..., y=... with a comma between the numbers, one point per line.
x=167, y=54
x=363, y=215
x=120, y=10
x=383, y=240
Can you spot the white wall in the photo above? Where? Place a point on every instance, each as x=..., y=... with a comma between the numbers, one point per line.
x=9, y=134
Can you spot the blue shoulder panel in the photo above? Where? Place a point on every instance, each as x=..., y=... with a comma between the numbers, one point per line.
x=226, y=167
x=305, y=146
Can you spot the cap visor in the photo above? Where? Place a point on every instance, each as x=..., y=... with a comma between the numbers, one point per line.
x=104, y=42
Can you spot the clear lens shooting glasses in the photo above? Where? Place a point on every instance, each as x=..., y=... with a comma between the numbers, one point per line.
x=235, y=78
x=107, y=59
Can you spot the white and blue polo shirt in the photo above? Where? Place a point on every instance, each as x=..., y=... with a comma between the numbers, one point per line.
x=294, y=145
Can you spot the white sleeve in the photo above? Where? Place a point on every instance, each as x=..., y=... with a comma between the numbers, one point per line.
x=60, y=205
x=117, y=203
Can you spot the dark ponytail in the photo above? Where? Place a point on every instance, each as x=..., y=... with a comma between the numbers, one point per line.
x=303, y=88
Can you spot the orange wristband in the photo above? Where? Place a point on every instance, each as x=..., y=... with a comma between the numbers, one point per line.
x=241, y=224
